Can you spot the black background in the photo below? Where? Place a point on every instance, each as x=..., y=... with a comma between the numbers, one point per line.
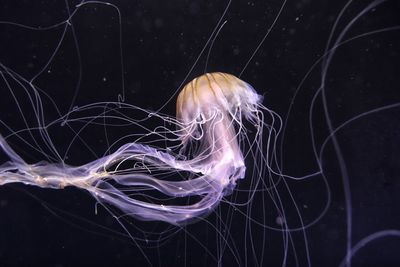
x=143, y=50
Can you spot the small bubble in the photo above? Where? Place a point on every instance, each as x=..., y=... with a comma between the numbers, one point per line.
x=279, y=220
x=158, y=23
x=3, y=203
x=236, y=51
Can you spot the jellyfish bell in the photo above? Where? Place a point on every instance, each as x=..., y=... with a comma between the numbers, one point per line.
x=212, y=92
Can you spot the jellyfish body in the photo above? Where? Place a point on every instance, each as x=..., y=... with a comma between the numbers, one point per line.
x=209, y=113
x=210, y=108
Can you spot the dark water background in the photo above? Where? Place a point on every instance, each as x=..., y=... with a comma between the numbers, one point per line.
x=160, y=41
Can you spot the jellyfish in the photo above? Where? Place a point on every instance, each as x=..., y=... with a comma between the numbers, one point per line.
x=225, y=156
x=209, y=124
